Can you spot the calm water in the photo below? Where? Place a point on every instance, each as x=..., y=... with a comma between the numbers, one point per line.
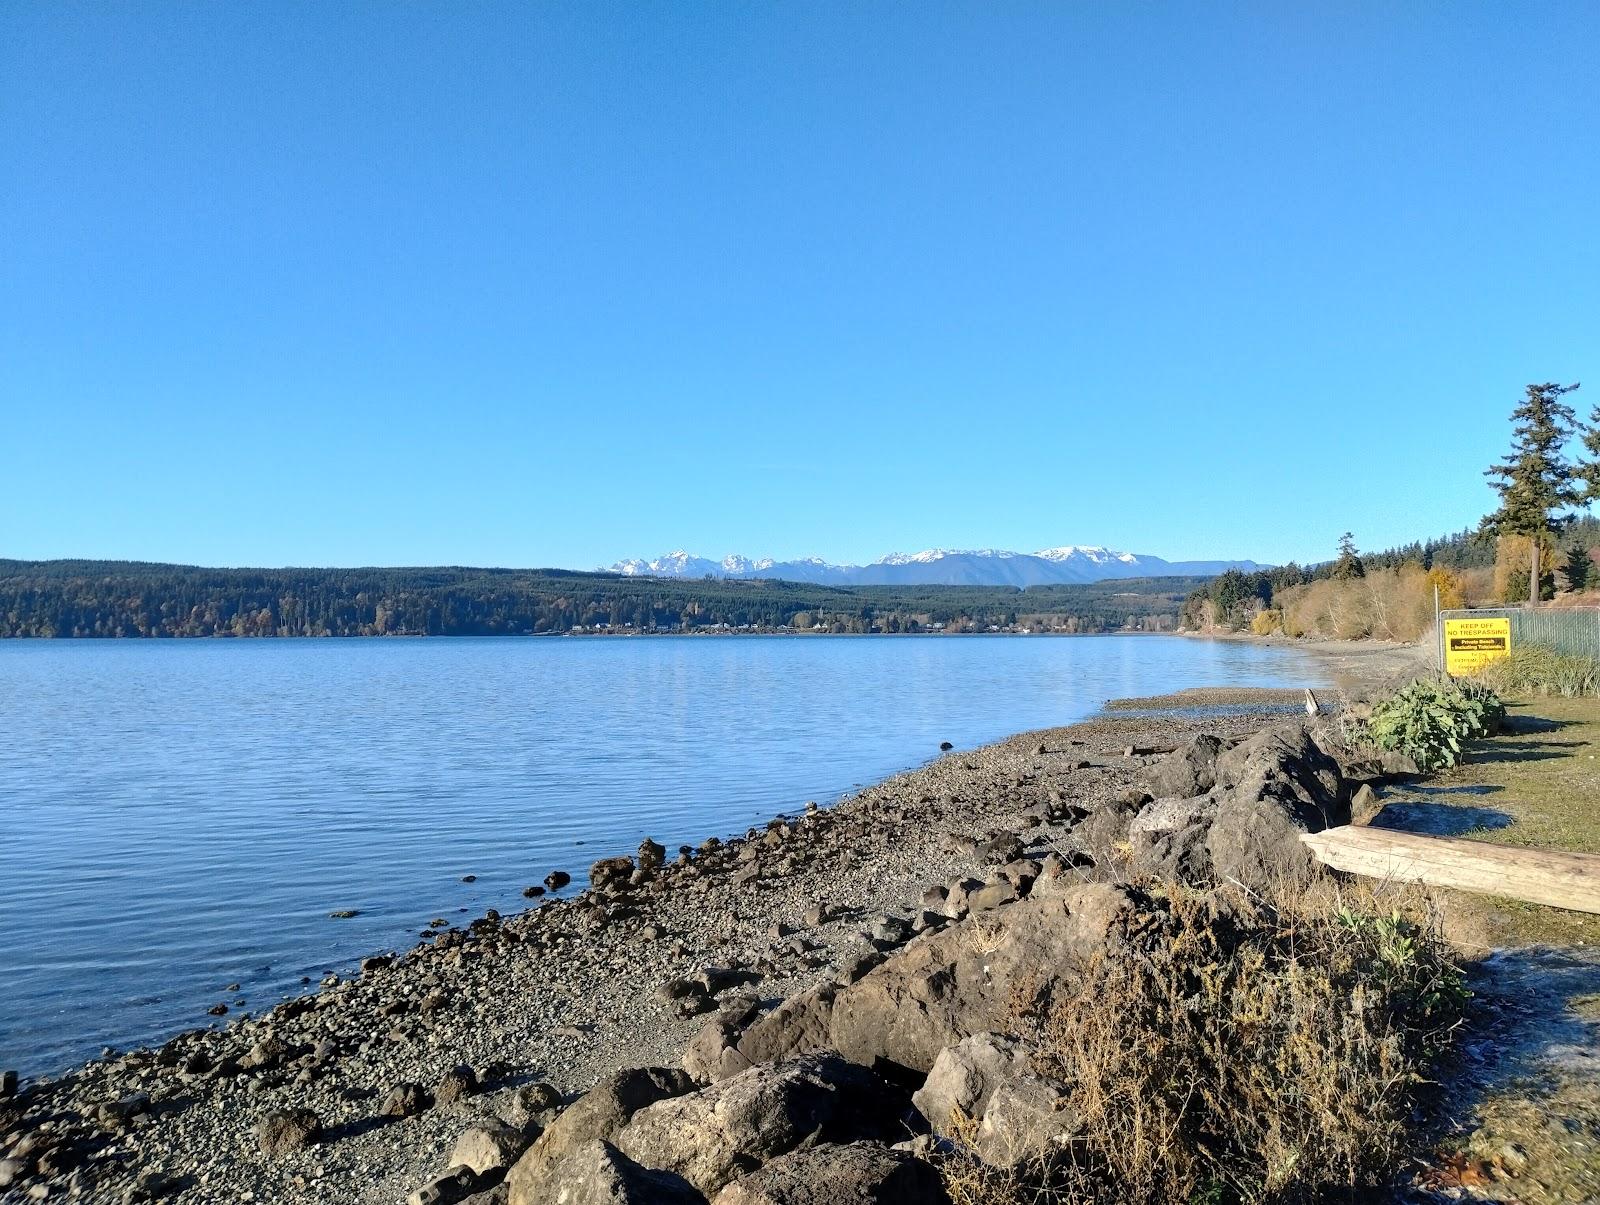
x=176, y=816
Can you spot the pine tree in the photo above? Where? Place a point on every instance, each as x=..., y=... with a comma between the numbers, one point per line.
x=1579, y=567
x=1588, y=470
x=1349, y=564
x=1535, y=482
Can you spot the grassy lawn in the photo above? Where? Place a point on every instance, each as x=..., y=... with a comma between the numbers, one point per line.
x=1538, y=784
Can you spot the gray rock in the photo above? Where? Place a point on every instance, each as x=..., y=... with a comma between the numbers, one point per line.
x=404, y=1100
x=458, y=1084
x=611, y=874
x=284, y=1131
x=598, y=1113
x=1364, y=805
x=1169, y=838
x=1187, y=771
x=888, y=931
x=597, y=1173
x=836, y=1174
x=964, y=1077
x=960, y=981
x=449, y=1188
x=488, y=1145
x=797, y=1025
x=1279, y=784
x=713, y=1136
x=1026, y=1122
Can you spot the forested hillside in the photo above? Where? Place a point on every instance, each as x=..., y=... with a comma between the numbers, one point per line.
x=131, y=599
x=1390, y=594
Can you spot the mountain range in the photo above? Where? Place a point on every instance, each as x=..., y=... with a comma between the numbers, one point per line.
x=940, y=567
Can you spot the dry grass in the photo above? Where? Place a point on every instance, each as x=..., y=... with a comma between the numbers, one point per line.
x=1240, y=1050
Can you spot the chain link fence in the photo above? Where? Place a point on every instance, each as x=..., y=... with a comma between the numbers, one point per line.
x=1571, y=631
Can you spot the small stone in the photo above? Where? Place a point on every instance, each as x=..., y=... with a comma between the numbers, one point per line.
x=450, y=1188
x=458, y=1084
x=344, y=914
x=557, y=879
x=403, y=1100
x=488, y=1145
x=532, y=893
x=819, y=914
x=284, y=1131
x=8, y=1084
x=651, y=855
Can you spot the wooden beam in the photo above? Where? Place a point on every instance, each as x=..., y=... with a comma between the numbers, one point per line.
x=1537, y=876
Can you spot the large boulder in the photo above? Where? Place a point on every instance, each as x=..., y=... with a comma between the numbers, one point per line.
x=714, y=1136
x=599, y=1113
x=712, y=1053
x=596, y=1173
x=833, y=1175
x=1189, y=770
x=1277, y=785
x=964, y=1077
x=799, y=1024
x=964, y=980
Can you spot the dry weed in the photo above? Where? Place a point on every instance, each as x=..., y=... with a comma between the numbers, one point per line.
x=1247, y=1049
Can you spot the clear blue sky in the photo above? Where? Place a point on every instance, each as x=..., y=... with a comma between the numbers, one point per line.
x=532, y=284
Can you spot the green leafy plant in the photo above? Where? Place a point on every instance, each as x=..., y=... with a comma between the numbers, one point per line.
x=1429, y=721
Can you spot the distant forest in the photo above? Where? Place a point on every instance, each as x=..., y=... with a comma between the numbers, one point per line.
x=133, y=599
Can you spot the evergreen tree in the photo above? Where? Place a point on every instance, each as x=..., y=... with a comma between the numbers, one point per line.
x=1535, y=482
x=1579, y=566
x=1588, y=470
x=1349, y=563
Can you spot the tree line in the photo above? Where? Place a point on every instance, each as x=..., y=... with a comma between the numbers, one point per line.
x=1544, y=485
x=134, y=599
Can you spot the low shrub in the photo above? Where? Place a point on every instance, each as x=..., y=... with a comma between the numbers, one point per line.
x=1537, y=671
x=1249, y=1051
x=1429, y=720
x=1265, y=623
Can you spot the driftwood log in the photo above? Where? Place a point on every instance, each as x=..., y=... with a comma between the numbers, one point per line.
x=1536, y=876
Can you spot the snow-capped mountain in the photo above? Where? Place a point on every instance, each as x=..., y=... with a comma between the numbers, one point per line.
x=940, y=566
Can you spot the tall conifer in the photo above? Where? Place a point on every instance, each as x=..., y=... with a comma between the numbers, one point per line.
x=1535, y=482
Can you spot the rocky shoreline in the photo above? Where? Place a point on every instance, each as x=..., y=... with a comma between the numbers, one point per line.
x=361, y=1090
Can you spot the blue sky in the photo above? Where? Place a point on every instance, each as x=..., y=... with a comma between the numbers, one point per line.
x=553, y=284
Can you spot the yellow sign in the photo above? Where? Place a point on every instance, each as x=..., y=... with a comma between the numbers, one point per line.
x=1470, y=644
